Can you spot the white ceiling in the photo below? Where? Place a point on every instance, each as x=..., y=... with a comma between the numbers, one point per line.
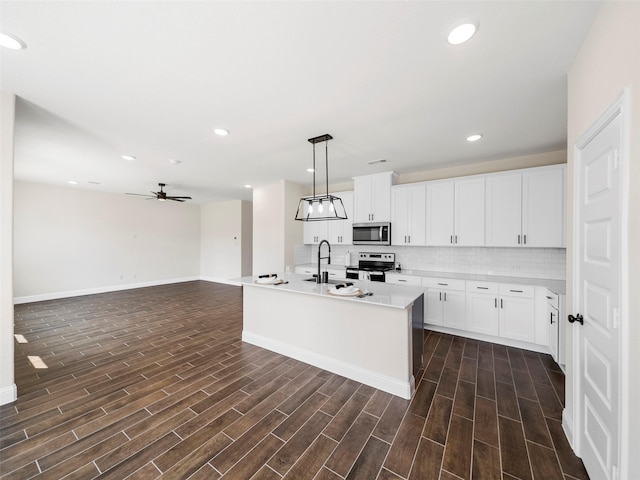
x=102, y=78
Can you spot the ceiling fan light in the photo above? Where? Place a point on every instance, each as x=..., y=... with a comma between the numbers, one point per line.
x=129, y=158
x=223, y=132
x=474, y=138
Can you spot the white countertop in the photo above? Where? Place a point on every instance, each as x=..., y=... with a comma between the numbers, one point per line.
x=556, y=286
x=384, y=294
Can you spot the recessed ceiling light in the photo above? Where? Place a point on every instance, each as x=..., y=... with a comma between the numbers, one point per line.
x=129, y=157
x=221, y=131
x=172, y=161
x=474, y=138
x=462, y=31
x=73, y=182
x=311, y=170
x=248, y=186
x=12, y=42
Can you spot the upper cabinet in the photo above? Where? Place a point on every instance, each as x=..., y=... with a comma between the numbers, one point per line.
x=372, y=197
x=455, y=212
x=314, y=232
x=341, y=231
x=408, y=209
x=526, y=208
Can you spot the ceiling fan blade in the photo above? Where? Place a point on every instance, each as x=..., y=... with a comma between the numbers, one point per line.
x=174, y=198
x=140, y=194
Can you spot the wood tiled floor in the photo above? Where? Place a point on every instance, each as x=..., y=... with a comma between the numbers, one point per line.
x=155, y=382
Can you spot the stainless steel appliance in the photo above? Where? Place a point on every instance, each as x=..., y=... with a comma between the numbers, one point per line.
x=373, y=265
x=372, y=233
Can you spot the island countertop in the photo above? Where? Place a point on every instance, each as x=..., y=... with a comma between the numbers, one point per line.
x=384, y=294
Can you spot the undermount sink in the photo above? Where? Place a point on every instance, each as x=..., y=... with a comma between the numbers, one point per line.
x=332, y=282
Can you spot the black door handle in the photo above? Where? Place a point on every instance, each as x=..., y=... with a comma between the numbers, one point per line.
x=578, y=318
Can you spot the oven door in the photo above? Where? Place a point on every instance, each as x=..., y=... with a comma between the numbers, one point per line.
x=377, y=276
x=372, y=233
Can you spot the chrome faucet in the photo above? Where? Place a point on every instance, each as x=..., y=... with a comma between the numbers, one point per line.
x=328, y=257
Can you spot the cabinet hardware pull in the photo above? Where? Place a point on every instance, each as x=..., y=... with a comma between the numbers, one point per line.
x=445, y=296
x=516, y=291
x=501, y=305
x=483, y=288
x=548, y=297
x=518, y=239
x=401, y=280
x=443, y=284
x=455, y=238
x=409, y=238
x=495, y=303
x=440, y=296
x=451, y=239
x=525, y=239
x=551, y=315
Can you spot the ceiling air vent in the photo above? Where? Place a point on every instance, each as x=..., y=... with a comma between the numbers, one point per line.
x=375, y=162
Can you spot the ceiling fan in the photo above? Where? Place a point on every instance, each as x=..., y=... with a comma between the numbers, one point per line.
x=161, y=195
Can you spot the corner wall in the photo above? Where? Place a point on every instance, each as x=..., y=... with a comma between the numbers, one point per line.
x=608, y=63
x=8, y=392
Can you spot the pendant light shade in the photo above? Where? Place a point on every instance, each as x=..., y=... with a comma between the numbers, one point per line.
x=315, y=208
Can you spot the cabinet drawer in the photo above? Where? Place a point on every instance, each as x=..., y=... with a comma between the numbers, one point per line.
x=512, y=290
x=483, y=287
x=443, y=283
x=403, y=279
x=304, y=270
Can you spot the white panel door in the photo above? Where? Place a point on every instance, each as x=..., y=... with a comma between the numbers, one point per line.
x=517, y=317
x=433, y=307
x=362, y=199
x=469, y=212
x=543, y=207
x=455, y=313
x=503, y=226
x=440, y=211
x=417, y=214
x=482, y=313
x=400, y=204
x=597, y=297
x=381, y=197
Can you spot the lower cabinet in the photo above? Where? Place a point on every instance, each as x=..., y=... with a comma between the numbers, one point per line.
x=445, y=302
x=503, y=310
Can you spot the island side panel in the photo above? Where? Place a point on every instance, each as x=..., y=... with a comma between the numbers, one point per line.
x=367, y=343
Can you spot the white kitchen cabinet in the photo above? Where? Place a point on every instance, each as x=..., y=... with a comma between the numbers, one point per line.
x=337, y=273
x=372, y=197
x=314, y=232
x=341, y=231
x=455, y=212
x=408, y=211
x=526, y=208
x=517, y=312
x=482, y=308
x=400, y=279
x=445, y=302
x=304, y=270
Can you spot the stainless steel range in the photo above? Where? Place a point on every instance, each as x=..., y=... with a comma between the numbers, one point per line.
x=373, y=264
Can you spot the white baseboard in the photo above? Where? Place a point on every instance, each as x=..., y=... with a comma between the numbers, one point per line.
x=567, y=426
x=91, y=291
x=375, y=380
x=8, y=394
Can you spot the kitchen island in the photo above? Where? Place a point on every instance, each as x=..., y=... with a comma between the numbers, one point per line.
x=376, y=340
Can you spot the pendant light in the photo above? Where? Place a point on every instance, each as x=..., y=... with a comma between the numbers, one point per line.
x=316, y=208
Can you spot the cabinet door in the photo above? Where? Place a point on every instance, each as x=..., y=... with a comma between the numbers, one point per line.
x=454, y=305
x=517, y=318
x=400, y=204
x=440, y=210
x=417, y=215
x=469, y=212
x=433, y=311
x=543, y=207
x=362, y=198
x=482, y=313
x=315, y=232
x=381, y=197
x=504, y=210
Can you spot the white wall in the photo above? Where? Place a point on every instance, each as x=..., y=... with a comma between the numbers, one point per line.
x=223, y=228
x=7, y=114
x=275, y=232
x=608, y=62
x=70, y=241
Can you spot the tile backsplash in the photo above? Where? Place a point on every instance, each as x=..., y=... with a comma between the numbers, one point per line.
x=514, y=262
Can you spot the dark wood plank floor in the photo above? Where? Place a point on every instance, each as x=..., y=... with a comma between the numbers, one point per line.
x=155, y=382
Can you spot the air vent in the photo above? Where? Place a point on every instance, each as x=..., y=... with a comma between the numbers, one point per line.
x=375, y=162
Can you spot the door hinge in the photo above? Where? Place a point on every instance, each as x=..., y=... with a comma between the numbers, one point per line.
x=616, y=317
x=616, y=158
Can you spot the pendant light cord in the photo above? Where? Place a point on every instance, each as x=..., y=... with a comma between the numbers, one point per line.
x=326, y=163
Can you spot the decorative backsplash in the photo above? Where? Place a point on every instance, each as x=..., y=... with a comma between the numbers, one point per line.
x=514, y=262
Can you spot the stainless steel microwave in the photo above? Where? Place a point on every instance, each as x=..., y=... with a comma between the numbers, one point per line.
x=372, y=233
